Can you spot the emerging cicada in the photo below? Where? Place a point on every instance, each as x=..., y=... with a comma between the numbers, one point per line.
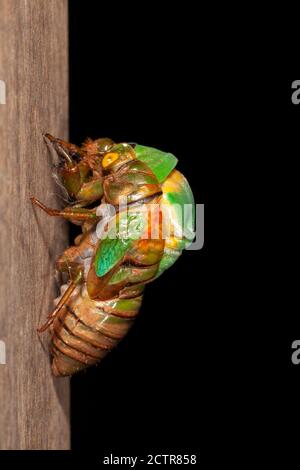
x=129, y=201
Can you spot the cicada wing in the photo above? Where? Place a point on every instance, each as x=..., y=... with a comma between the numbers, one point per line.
x=178, y=209
x=161, y=163
x=123, y=230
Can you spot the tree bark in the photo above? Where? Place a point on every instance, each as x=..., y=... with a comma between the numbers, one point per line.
x=34, y=406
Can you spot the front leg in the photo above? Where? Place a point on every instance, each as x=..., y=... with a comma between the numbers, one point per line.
x=80, y=169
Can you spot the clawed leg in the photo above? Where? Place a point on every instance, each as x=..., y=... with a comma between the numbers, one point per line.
x=64, y=149
x=72, y=286
x=79, y=169
x=66, y=263
x=69, y=213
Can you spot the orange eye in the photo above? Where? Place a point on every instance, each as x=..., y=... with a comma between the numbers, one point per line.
x=109, y=158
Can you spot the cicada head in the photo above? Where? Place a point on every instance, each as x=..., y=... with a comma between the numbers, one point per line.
x=117, y=156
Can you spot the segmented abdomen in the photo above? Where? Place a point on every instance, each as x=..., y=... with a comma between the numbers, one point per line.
x=86, y=330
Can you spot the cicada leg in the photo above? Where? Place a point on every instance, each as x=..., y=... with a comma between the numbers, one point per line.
x=64, y=149
x=70, y=213
x=64, y=299
x=79, y=171
x=71, y=263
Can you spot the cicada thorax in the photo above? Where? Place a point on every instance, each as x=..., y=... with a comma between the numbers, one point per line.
x=102, y=309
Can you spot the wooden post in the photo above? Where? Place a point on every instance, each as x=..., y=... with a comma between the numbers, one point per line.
x=34, y=406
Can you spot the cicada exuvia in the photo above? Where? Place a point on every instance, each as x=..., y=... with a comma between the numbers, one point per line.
x=130, y=202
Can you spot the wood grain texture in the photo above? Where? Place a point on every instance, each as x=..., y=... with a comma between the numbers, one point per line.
x=34, y=406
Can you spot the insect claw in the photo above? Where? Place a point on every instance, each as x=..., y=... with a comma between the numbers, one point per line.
x=49, y=137
x=68, y=292
x=50, y=320
x=44, y=327
x=59, y=149
x=42, y=206
x=63, y=149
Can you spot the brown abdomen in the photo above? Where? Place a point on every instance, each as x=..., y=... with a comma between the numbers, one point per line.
x=86, y=330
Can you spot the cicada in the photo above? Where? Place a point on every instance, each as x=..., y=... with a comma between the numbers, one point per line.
x=129, y=201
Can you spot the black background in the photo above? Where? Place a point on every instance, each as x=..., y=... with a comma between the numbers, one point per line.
x=134, y=81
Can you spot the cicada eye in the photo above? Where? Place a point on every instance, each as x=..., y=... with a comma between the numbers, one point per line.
x=125, y=152
x=117, y=156
x=109, y=159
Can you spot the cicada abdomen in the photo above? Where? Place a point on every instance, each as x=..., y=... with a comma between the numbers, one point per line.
x=129, y=202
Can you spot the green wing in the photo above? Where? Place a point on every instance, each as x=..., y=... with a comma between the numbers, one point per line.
x=123, y=231
x=161, y=163
x=178, y=207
